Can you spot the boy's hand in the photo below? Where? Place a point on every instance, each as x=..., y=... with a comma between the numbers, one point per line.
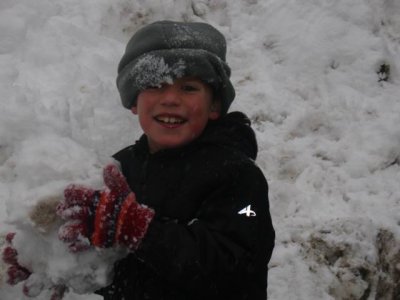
x=34, y=284
x=103, y=218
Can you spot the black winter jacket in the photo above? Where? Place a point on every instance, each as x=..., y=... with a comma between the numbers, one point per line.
x=212, y=235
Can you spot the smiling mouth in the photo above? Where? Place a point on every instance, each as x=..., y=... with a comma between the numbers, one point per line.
x=170, y=120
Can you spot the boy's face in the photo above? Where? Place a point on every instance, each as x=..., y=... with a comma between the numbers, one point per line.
x=173, y=115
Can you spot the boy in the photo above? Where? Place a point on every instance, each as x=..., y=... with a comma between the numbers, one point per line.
x=190, y=204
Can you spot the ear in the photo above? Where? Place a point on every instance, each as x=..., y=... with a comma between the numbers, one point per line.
x=134, y=110
x=215, y=110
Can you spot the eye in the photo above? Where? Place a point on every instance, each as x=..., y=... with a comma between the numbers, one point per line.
x=190, y=87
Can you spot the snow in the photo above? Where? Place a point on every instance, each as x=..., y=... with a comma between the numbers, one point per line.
x=306, y=72
x=158, y=72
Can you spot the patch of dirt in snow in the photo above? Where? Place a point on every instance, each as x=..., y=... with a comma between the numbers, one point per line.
x=357, y=268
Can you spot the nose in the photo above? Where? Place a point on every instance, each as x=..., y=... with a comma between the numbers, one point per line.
x=170, y=96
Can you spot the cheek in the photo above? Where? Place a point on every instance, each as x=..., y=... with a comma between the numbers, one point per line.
x=200, y=107
x=199, y=124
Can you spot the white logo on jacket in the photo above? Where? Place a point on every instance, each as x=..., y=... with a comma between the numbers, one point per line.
x=247, y=211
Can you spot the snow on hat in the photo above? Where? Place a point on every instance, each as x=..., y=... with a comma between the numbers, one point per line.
x=165, y=50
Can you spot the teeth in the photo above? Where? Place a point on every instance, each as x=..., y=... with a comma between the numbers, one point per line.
x=170, y=120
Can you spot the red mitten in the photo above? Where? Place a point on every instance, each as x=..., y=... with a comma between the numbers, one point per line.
x=78, y=209
x=103, y=218
x=34, y=284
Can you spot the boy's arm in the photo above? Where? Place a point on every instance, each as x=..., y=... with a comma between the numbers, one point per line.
x=230, y=242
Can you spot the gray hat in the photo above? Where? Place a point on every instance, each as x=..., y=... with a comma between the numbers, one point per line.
x=163, y=51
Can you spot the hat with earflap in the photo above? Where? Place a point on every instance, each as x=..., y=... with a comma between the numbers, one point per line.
x=165, y=50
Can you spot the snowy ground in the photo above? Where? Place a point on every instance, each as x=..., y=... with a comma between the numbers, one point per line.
x=319, y=79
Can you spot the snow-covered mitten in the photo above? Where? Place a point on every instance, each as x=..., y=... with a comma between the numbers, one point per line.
x=33, y=284
x=15, y=272
x=103, y=218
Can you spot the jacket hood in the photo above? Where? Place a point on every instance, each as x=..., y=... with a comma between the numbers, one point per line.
x=233, y=131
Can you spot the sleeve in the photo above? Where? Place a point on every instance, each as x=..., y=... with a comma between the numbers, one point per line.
x=228, y=245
